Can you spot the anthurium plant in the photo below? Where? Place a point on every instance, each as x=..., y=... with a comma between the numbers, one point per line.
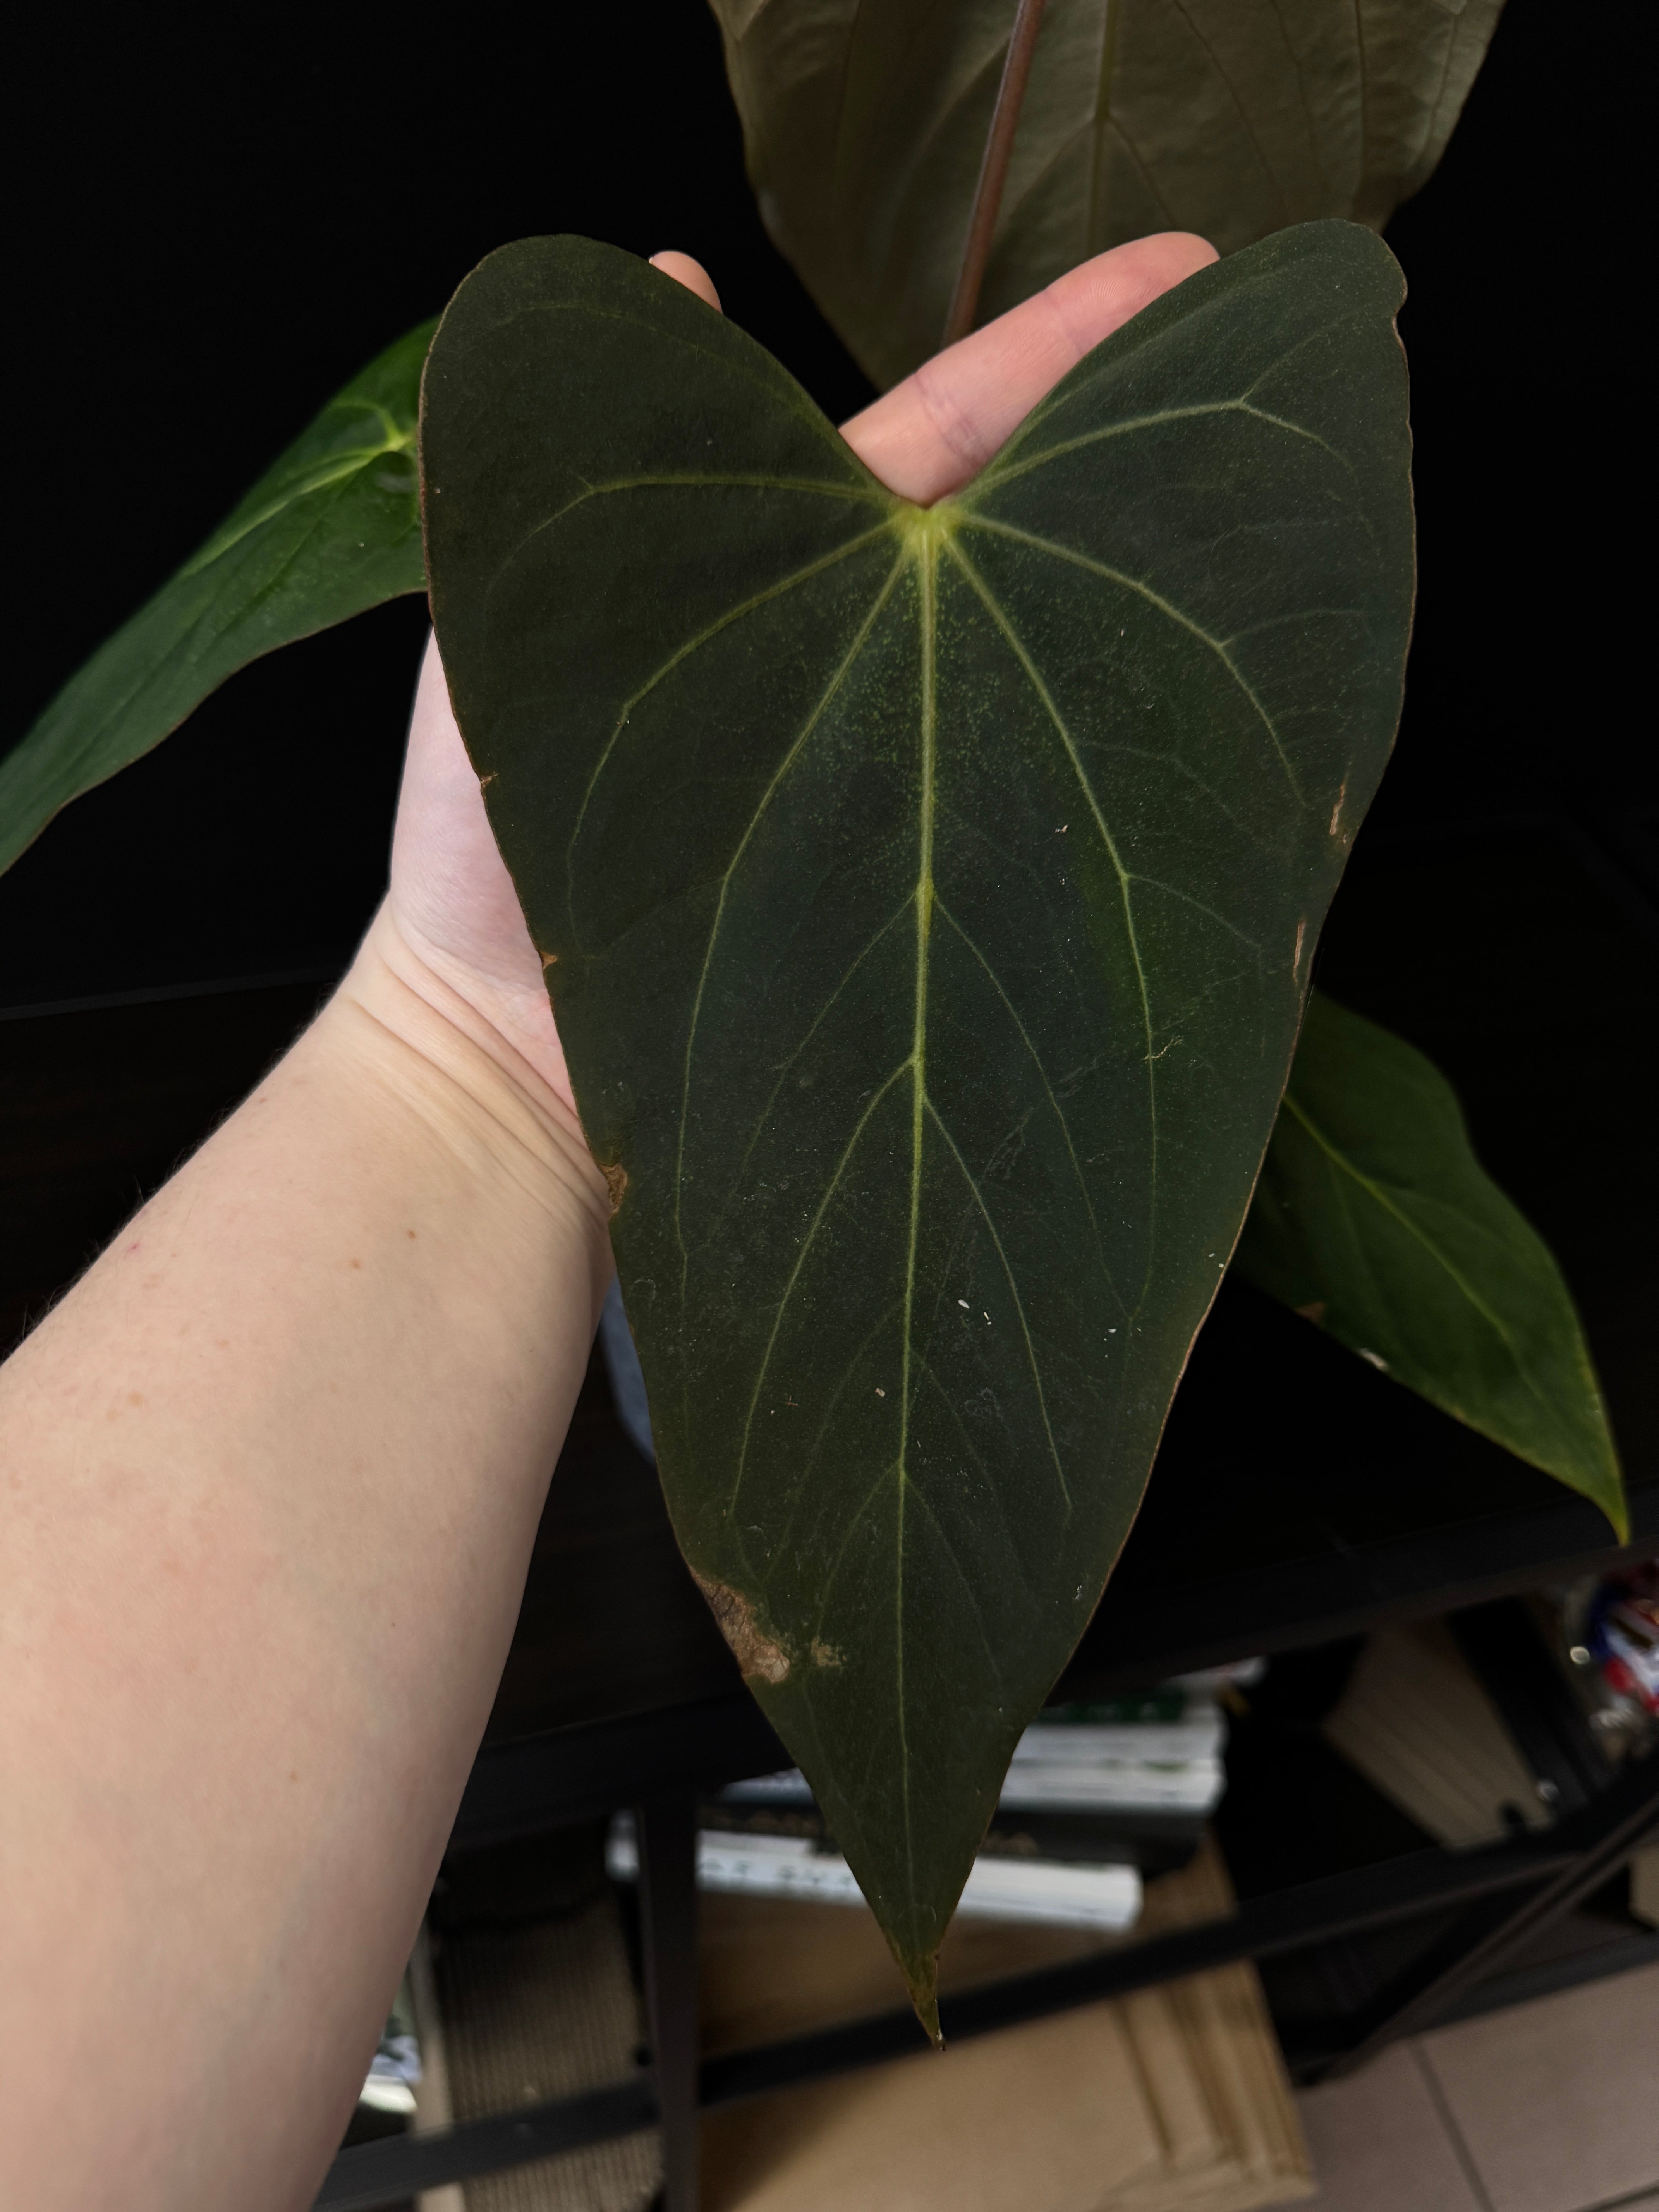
x=927, y=895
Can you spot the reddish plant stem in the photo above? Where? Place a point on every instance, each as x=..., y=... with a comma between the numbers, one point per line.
x=994, y=170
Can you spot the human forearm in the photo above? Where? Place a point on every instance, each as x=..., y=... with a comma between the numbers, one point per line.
x=272, y=1471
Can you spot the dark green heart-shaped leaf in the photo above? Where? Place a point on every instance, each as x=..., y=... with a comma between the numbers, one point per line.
x=926, y=899
x=864, y=128
x=1374, y=1218
x=331, y=529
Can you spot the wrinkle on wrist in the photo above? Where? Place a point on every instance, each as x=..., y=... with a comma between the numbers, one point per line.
x=457, y=1069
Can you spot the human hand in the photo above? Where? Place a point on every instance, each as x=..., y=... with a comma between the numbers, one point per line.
x=453, y=907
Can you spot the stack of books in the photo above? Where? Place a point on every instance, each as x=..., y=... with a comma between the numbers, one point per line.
x=1158, y=1752
x=1097, y=1794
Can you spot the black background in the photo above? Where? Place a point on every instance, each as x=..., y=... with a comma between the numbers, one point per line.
x=214, y=222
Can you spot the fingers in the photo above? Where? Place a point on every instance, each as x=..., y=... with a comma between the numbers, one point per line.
x=692, y=274
x=928, y=435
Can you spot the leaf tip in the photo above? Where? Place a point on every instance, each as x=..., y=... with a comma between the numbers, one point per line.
x=921, y=1979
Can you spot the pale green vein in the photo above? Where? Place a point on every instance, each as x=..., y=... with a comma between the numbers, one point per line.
x=924, y=907
x=1013, y=1292
x=812, y=1228
x=1276, y=368
x=997, y=474
x=692, y=645
x=1172, y=760
x=819, y=709
x=819, y=1019
x=834, y=1565
x=993, y=1490
x=1033, y=676
x=996, y=983
x=803, y=1482
x=693, y=482
x=927, y=616
x=987, y=1642
x=1296, y=429
x=960, y=1427
x=1296, y=615
x=1165, y=607
x=1174, y=892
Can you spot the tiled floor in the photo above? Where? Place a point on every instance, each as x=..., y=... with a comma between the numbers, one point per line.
x=1552, y=2107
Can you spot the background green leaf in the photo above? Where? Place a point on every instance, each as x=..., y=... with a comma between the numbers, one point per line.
x=1374, y=1218
x=863, y=129
x=926, y=900
x=332, y=529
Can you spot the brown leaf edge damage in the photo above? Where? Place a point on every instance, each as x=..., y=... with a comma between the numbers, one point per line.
x=756, y=1654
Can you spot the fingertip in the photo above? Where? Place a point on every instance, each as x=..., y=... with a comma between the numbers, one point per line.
x=1101, y=294
x=692, y=274
x=930, y=434
x=1183, y=247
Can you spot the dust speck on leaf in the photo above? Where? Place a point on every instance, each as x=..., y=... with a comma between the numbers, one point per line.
x=823, y=1654
x=756, y=1654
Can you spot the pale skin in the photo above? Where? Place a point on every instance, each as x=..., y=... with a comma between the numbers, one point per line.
x=271, y=1474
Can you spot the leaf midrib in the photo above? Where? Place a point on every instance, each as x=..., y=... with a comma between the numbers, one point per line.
x=351, y=461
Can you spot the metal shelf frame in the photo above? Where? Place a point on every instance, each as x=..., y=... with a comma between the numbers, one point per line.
x=1494, y=1900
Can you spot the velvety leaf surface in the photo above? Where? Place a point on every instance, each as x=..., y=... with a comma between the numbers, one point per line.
x=926, y=899
x=333, y=528
x=864, y=127
x=1374, y=1218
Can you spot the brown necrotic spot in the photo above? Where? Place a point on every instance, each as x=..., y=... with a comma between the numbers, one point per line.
x=616, y=1176
x=757, y=1654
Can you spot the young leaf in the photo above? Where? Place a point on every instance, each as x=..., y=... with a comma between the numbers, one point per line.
x=1374, y=1218
x=864, y=127
x=926, y=898
x=331, y=529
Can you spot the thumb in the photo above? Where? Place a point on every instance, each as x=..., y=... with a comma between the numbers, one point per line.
x=692, y=274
